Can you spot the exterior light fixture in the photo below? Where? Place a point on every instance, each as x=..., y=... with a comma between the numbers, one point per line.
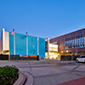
x=61, y=51
x=66, y=51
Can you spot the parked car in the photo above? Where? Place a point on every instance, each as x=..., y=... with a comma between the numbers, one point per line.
x=81, y=59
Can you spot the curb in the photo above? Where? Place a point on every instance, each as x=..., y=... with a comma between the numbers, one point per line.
x=30, y=79
x=21, y=80
x=24, y=79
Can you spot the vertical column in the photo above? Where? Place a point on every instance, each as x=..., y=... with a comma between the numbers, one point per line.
x=48, y=47
x=3, y=39
x=82, y=39
x=27, y=44
x=37, y=45
x=0, y=45
x=14, y=44
x=75, y=40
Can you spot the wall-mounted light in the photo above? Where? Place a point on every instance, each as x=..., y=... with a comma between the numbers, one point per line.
x=61, y=51
x=66, y=51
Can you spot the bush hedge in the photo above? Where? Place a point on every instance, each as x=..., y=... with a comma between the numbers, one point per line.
x=8, y=75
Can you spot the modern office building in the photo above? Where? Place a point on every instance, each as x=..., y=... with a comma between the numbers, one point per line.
x=19, y=44
x=51, y=50
x=72, y=43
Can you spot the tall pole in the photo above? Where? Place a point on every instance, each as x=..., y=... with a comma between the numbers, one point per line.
x=27, y=45
x=37, y=45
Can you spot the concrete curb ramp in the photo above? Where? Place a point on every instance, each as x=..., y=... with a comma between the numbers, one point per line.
x=30, y=79
x=80, y=81
x=21, y=80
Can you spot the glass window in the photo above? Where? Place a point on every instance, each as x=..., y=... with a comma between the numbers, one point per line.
x=84, y=34
x=83, y=56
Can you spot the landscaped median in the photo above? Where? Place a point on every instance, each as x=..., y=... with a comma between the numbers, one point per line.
x=10, y=75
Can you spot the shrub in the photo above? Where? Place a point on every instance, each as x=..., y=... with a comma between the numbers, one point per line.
x=8, y=74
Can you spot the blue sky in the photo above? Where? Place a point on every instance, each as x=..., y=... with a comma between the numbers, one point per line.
x=44, y=18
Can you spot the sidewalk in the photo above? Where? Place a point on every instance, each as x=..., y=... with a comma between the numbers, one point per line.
x=80, y=81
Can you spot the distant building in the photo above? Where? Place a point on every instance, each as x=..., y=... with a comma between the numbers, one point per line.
x=19, y=44
x=51, y=50
x=72, y=43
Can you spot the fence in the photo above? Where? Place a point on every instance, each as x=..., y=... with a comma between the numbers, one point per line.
x=17, y=57
x=4, y=57
x=69, y=57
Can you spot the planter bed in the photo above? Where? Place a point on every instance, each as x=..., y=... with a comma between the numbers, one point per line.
x=8, y=75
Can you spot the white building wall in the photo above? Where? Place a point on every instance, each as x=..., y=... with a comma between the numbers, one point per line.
x=2, y=41
x=6, y=40
x=53, y=47
x=0, y=45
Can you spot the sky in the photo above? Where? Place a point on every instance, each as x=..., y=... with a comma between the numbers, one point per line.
x=43, y=18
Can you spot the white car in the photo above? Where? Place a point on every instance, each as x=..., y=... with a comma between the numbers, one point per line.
x=81, y=59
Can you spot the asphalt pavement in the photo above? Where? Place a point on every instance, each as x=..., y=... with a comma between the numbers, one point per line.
x=48, y=72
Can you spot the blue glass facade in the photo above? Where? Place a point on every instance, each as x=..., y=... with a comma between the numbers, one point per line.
x=21, y=45
x=41, y=47
x=32, y=45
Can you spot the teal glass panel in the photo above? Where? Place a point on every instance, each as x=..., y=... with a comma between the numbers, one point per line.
x=11, y=44
x=20, y=44
x=41, y=47
x=32, y=45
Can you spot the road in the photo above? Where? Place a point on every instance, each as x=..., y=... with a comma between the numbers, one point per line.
x=48, y=72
